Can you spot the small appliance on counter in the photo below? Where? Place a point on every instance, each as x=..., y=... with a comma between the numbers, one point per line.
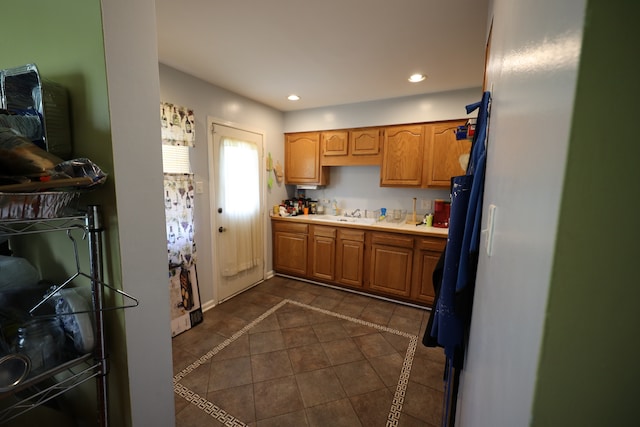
x=441, y=211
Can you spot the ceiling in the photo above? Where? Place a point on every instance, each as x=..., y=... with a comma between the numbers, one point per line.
x=329, y=52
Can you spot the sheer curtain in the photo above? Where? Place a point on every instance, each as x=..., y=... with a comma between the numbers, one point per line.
x=240, y=200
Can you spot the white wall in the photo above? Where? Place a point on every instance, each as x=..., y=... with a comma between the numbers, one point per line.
x=357, y=187
x=410, y=109
x=210, y=101
x=132, y=78
x=532, y=73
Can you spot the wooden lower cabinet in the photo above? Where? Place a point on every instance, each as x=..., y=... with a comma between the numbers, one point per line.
x=427, y=254
x=350, y=257
x=322, y=253
x=290, y=242
x=391, y=264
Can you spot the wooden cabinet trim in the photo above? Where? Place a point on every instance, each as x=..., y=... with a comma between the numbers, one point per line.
x=290, y=227
x=392, y=240
x=355, y=235
x=446, y=154
x=433, y=244
x=350, y=262
x=365, y=142
x=391, y=268
x=335, y=143
x=402, y=156
x=351, y=147
x=302, y=159
x=321, y=230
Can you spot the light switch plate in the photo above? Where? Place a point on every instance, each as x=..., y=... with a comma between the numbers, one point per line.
x=199, y=187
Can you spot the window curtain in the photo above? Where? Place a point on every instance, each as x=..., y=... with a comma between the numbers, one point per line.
x=178, y=130
x=177, y=125
x=238, y=194
x=178, y=203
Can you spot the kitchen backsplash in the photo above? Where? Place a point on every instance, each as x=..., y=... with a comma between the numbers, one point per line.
x=357, y=187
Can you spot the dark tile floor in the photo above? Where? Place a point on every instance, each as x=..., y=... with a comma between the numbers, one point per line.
x=291, y=353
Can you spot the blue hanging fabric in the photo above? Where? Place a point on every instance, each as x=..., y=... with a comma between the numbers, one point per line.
x=452, y=311
x=476, y=169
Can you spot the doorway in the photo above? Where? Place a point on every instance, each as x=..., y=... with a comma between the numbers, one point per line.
x=237, y=217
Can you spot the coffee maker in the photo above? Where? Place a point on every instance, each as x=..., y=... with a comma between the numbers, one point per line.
x=441, y=211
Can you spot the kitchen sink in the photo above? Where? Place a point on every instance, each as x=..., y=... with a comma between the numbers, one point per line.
x=347, y=219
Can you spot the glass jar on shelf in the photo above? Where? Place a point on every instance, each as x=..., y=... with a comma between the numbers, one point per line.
x=42, y=341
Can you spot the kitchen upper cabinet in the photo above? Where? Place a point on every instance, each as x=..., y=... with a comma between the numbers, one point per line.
x=391, y=263
x=355, y=147
x=322, y=253
x=402, y=156
x=335, y=143
x=290, y=242
x=350, y=257
x=426, y=257
x=365, y=142
x=446, y=156
x=302, y=159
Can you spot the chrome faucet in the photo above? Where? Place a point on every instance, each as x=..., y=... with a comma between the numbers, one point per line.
x=355, y=214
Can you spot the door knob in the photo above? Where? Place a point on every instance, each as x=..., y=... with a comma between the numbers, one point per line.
x=219, y=210
x=221, y=229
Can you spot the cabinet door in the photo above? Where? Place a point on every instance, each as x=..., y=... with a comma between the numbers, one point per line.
x=447, y=156
x=355, y=147
x=335, y=143
x=322, y=255
x=391, y=264
x=402, y=157
x=365, y=142
x=350, y=257
x=290, y=248
x=427, y=255
x=302, y=159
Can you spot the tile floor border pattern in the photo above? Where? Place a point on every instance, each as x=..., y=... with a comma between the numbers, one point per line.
x=231, y=421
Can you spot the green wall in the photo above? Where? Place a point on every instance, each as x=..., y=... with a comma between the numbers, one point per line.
x=588, y=373
x=64, y=39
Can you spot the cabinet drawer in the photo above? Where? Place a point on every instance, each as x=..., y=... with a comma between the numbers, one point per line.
x=318, y=230
x=431, y=243
x=290, y=227
x=392, y=240
x=354, y=235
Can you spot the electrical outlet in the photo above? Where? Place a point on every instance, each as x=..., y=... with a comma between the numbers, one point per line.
x=425, y=204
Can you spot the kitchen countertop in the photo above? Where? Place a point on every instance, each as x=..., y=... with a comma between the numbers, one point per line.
x=402, y=227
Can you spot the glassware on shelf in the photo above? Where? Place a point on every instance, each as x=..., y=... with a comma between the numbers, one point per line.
x=42, y=341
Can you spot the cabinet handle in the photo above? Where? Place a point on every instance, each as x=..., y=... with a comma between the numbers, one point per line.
x=221, y=229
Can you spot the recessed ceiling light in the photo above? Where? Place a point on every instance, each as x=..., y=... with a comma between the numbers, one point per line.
x=293, y=97
x=415, y=78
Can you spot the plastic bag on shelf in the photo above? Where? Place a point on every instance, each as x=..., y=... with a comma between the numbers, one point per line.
x=81, y=168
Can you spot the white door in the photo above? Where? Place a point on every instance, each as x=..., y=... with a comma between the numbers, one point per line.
x=237, y=217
